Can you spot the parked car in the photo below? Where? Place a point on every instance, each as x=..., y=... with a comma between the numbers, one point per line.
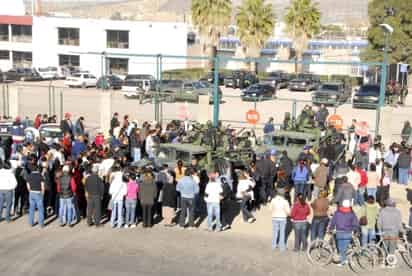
x=332, y=93
x=22, y=74
x=304, y=82
x=277, y=79
x=109, y=82
x=83, y=80
x=210, y=78
x=259, y=92
x=51, y=133
x=47, y=73
x=138, y=86
x=367, y=96
x=179, y=90
x=240, y=79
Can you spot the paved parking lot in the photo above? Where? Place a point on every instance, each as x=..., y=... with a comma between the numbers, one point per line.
x=34, y=98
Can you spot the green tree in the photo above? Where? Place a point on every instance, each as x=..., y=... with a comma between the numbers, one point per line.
x=212, y=17
x=255, y=20
x=303, y=22
x=400, y=41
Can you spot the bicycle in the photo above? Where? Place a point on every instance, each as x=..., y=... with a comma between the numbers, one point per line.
x=324, y=252
x=403, y=249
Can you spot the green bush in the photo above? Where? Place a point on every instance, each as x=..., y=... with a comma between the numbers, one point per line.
x=184, y=74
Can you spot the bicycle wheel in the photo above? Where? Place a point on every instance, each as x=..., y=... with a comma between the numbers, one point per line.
x=407, y=255
x=320, y=253
x=361, y=260
x=379, y=254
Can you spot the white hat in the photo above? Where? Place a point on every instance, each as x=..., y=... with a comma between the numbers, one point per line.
x=346, y=203
x=324, y=161
x=66, y=168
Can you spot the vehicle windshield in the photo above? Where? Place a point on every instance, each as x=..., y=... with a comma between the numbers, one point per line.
x=52, y=133
x=254, y=88
x=43, y=69
x=133, y=83
x=77, y=75
x=370, y=89
x=172, y=83
x=183, y=155
x=332, y=87
x=296, y=142
x=278, y=140
x=275, y=75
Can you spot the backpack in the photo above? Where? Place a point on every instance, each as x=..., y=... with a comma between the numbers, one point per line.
x=227, y=191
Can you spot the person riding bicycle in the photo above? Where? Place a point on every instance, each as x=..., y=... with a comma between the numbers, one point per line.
x=344, y=222
x=390, y=224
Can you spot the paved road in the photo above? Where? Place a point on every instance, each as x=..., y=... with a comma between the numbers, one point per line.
x=34, y=98
x=158, y=251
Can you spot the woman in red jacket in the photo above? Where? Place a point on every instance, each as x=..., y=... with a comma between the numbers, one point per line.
x=299, y=216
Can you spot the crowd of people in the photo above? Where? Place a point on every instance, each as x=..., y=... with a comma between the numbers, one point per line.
x=96, y=179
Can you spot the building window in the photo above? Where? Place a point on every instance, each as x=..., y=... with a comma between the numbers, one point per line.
x=118, y=66
x=4, y=32
x=69, y=36
x=69, y=60
x=4, y=55
x=117, y=39
x=22, y=59
x=20, y=33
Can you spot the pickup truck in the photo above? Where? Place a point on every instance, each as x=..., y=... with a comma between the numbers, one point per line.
x=276, y=79
x=332, y=93
x=178, y=90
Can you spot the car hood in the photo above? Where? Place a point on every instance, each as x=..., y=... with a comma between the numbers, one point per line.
x=328, y=92
x=250, y=92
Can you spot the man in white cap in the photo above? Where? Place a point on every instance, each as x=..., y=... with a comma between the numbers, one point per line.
x=321, y=178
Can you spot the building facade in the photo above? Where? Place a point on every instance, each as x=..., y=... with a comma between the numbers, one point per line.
x=42, y=41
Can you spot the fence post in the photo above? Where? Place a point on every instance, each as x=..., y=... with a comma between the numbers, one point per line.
x=4, y=99
x=61, y=104
x=156, y=98
x=50, y=101
x=8, y=100
x=54, y=100
x=382, y=94
x=294, y=109
x=160, y=82
x=216, y=100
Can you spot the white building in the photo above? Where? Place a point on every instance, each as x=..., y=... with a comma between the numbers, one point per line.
x=64, y=41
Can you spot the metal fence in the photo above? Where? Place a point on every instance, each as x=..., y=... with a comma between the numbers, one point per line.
x=55, y=99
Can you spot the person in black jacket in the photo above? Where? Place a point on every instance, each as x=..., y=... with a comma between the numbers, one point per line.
x=94, y=193
x=114, y=123
x=169, y=196
x=66, y=125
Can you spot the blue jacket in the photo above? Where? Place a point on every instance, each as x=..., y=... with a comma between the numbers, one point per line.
x=187, y=187
x=77, y=148
x=300, y=174
x=344, y=222
x=268, y=128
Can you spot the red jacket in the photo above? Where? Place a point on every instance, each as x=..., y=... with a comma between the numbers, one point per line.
x=300, y=212
x=364, y=178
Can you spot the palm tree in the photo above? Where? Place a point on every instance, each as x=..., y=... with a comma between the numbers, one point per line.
x=211, y=17
x=303, y=22
x=255, y=21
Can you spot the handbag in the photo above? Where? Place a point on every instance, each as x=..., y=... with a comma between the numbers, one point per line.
x=363, y=221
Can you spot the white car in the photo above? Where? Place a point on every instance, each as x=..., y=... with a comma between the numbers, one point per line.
x=47, y=73
x=51, y=132
x=81, y=80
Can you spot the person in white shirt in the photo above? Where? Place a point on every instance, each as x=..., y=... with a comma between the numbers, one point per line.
x=280, y=211
x=150, y=144
x=245, y=193
x=213, y=195
x=8, y=183
x=353, y=177
x=118, y=190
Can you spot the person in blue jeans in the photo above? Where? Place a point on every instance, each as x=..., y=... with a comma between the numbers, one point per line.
x=320, y=207
x=344, y=222
x=280, y=211
x=66, y=198
x=36, y=187
x=8, y=183
x=213, y=195
x=300, y=177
